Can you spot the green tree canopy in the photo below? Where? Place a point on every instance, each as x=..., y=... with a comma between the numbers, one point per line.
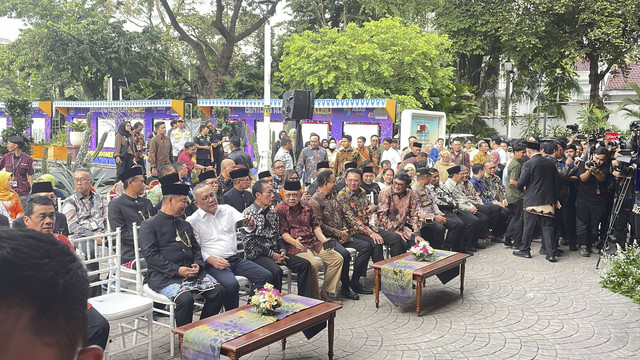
x=381, y=59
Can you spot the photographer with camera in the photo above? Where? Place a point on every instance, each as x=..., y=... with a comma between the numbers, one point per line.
x=592, y=189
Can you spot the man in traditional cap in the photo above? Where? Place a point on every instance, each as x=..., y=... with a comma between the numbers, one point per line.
x=372, y=188
x=309, y=159
x=215, y=229
x=357, y=210
x=225, y=182
x=398, y=209
x=155, y=193
x=266, y=176
x=129, y=208
x=415, y=149
x=467, y=209
x=175, y=265
x=538, y=176
x=209, y=178
x=20, y=164
x=322, y=166
x=238, y=197
x=341, y=183
x=329, y=214
x=301, y=231
x=264, y=245
x=45, y=189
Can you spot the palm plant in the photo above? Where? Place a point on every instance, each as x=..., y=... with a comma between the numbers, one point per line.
x=631, y=107
x=593, y=120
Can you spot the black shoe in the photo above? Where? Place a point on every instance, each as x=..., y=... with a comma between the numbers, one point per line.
x=466, y=251
x=361, y=289
x=558, y=252
x=522, y=253
x=472, y=249
x=551, y=258
x=542, y=252
x=508, y=243
x=573, y=247
x=478, y=246
x=498, y=239
x=347, y=293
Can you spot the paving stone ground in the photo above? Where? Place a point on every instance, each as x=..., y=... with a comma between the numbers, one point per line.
x=512, y=308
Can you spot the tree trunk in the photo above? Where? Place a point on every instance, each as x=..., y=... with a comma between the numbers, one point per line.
x=595, y=77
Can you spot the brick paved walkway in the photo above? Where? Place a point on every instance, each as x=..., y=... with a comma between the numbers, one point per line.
x=512, y=308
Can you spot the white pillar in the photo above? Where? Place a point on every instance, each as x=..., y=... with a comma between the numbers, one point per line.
x=265, y=137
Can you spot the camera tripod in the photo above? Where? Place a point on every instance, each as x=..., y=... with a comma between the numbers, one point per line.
x=615, y=212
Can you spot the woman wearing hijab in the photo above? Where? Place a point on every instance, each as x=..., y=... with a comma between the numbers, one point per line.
x=276, y=145
x=124, y=154
x=410, y=169
x=9, y=199
x=444, y=164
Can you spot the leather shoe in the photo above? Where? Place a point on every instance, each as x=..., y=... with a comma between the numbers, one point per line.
x=361, y=290
x=347, y=293
x=326, y=297
x=551, y=258
x=472, y=249
x=466, y=251
x=522, y=254
x=508, y=243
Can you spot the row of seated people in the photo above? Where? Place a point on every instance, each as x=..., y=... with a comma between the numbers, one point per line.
x=272, y=236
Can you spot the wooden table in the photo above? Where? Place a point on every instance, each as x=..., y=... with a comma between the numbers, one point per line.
x=421, y=274
x=273, y=332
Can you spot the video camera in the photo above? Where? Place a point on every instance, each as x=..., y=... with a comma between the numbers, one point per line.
x=593, y=138
x=627, y=163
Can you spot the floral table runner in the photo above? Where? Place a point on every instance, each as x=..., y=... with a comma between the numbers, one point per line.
x=397, y=276
x=205, y=341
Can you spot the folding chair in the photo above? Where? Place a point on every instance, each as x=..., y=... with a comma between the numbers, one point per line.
x=117, y=308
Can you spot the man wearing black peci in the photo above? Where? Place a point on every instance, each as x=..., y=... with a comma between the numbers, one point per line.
x=238, y=197
x=129, y=208
x=175, y=265
x=45, y=189
x=538, y=180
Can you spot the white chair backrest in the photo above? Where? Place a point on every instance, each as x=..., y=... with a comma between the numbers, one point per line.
x=106, y=255
x=138, y=264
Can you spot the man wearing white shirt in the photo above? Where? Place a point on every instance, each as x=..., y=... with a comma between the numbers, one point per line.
x=390, y=153
x=179, y=136
x=215, y=229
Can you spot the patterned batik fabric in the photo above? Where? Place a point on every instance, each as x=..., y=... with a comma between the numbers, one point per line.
x=193, y=285
x=354, y=208
x=205, y=341
x=397, y=276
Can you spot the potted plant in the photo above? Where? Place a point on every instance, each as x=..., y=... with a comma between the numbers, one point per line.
x=38, y=148
x=58, y=148
x=77, y=131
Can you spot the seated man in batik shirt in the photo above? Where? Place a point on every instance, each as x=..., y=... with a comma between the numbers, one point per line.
x=398, y=209
x=301, y=231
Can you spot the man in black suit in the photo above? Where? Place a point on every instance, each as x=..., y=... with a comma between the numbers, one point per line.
x=538, y=180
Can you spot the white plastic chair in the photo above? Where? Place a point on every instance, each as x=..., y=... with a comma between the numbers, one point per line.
x=117, y=308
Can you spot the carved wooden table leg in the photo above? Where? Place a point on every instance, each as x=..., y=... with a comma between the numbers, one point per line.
x=330, y=331
x=377, y=279
x=418, y=295
x=462, y=276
